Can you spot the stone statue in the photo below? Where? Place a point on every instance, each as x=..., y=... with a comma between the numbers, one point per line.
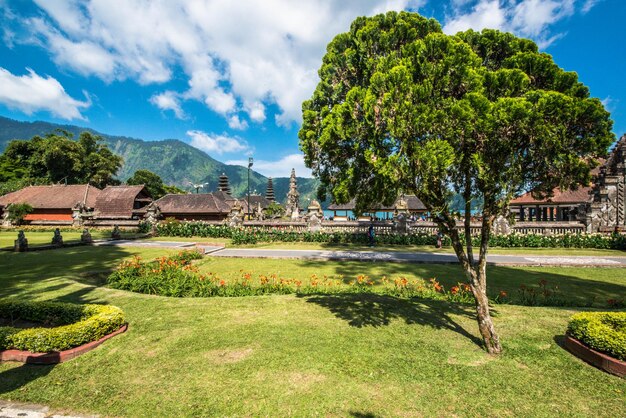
x=6, y=221
x=153, y=213
x=501, y=226
x=21, y=243
x=77, y=214
x=57, y=239
x=116, y=233
x=314, y=216
x=85, y=237
x=235, y=217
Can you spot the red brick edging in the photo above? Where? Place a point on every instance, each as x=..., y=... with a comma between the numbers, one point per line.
x=595, y=358
x=55, y=357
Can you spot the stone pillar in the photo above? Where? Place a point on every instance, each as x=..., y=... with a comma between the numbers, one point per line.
x=57, y=239
x=314, y=216
x=21, y=243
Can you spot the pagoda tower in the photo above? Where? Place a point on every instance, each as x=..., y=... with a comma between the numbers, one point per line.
x=223, y=185
x=269, y=194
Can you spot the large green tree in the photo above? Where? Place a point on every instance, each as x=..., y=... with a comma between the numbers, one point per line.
x=56, y=157
x=403, y=108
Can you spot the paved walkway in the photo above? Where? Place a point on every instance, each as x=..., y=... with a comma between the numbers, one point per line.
x=390, y=256
x=23, y=410
x=428, y=258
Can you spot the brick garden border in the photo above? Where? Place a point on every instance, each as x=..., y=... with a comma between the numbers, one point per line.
x=55, y=356
x=595, y=358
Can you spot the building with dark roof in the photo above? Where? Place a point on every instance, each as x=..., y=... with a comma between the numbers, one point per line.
x=53, y=203
x=122, y=202
x=562, y=206
x=197, y=207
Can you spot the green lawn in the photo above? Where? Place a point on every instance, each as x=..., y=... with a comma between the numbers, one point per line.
x=337, y=355
x=37, y=238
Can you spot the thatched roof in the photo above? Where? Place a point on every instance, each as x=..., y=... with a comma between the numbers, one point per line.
x=53, y=197
x=119, y=201
x=208, y=203
x=413, y=203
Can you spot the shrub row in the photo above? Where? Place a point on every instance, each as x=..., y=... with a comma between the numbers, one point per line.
x=251, y=235
x=71, y=325
x=602, y=331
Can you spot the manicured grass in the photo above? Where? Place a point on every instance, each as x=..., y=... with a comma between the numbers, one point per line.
x=396, y=248
x=348, y=355
x=35, y=239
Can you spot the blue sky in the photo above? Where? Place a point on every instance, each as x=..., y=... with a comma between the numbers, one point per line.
x=229, y=77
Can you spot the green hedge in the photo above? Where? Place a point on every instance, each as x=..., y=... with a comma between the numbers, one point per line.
x=252, y=235
x=602, y=331
x=70, y=325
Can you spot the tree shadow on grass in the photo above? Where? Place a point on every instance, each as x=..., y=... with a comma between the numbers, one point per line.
x=20, y=376
x=29, y=275
x=373, y=310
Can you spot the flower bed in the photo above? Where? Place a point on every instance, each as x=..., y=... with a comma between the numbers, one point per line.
x=599, y=338
x=602, y=331
x=63, y=325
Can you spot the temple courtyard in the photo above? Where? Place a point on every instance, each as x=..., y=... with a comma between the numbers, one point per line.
x=349, y=354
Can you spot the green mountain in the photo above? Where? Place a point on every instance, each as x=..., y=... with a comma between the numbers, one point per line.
x=175, y=161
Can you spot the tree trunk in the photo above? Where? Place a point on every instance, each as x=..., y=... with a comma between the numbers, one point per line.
x=476, y=274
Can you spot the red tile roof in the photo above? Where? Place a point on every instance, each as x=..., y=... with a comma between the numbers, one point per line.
x=53, y=197
x=580, y=195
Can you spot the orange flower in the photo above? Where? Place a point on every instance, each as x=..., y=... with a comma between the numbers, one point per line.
x=503, y=294
x=222, y=283
x=454, y=290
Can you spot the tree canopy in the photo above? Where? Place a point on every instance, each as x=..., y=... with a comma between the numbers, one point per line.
x=56, y=157
x=154, y=184
x=403, y=108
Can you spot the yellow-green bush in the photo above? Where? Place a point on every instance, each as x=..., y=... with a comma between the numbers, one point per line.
x=71, y=325
x=602, y=331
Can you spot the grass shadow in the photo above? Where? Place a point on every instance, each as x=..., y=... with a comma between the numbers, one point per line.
x=373, y=310
x=17, y=377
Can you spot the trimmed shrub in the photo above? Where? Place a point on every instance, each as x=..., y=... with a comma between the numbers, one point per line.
x=70, y=325
x=602, y=331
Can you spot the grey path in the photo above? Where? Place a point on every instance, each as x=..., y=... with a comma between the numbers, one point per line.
x=22, y=410
x=429, y=258
x=390, y=256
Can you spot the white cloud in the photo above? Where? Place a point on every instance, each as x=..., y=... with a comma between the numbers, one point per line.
x=278, y=168
x=169, y=100
x=588, y=5
x=234, y=122
x=217, y=144
x=486, y=14
x=528, y=18
x=32, y=93
x=235, y=56
x=609, y=103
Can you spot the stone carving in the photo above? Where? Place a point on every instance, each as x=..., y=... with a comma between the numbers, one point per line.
x=401, y=217
x=501, y=226
x=5, y=217
x=235, y=217
x=57, y=239
x=258, y=212
x=116, y=233
x=314, y=216
x=21, y=243
x=77, y=214
x=153, y=213
x=293, y=198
